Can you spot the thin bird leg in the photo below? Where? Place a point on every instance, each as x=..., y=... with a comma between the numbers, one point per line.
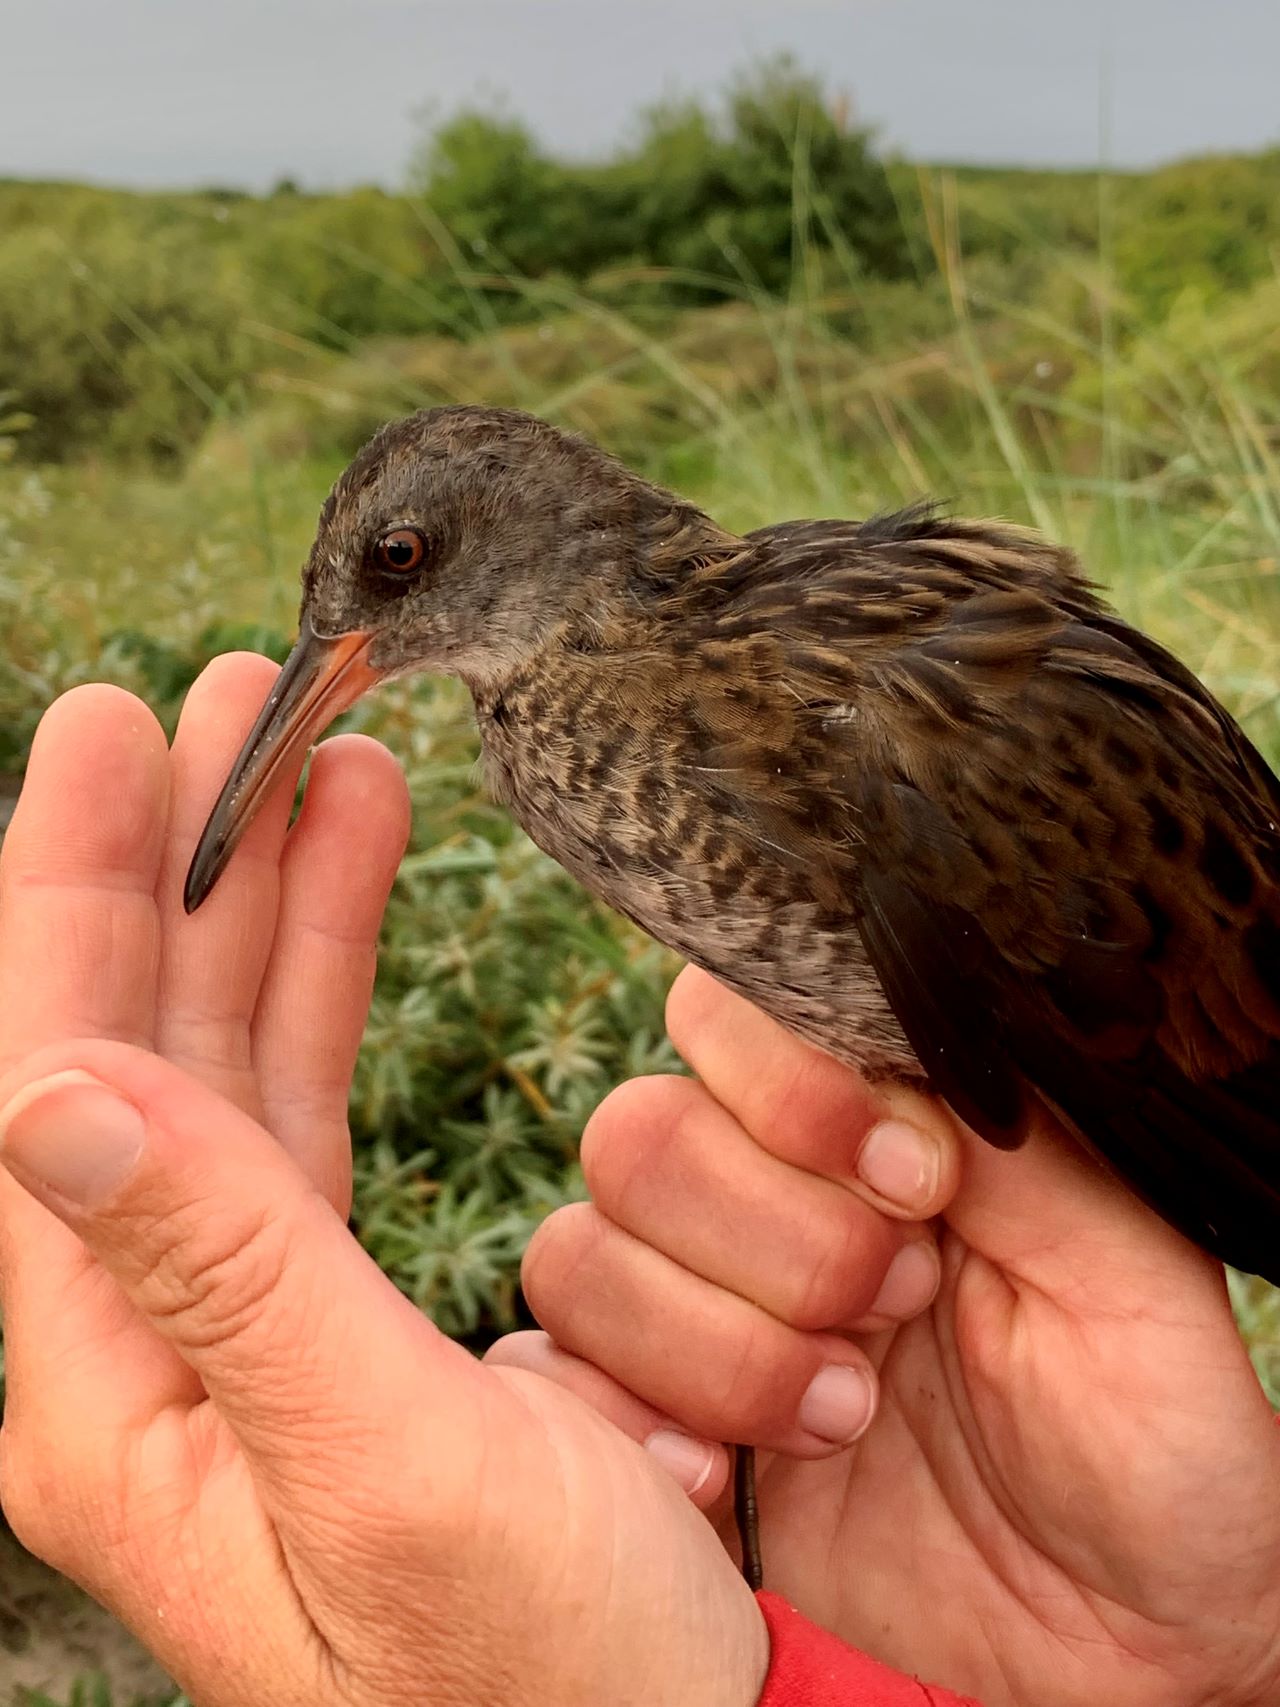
x=747, y=1514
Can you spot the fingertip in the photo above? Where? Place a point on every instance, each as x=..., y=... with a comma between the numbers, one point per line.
x=357, y=790
x=909, y=1163
x=699, y=1466
x=909, y=1287
x=373, y=752
x=526, y=1348
x=232, y=674
x=100, y=707
x=633, y=1123
x=218, y=713
x=95, y=797
x=128, y=1070
x=371, y=773
x=693, y=1001
x=838, y=1406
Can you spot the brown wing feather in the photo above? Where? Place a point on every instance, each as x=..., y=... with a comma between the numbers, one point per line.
x=1070, y=862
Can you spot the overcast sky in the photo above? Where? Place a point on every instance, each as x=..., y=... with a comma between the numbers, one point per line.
x=243, y=91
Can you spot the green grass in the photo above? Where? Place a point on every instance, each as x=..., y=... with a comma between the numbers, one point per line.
x=507, y=1002
x=94, y=1690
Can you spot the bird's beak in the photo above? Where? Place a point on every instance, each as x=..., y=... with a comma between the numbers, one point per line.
x=320, y=678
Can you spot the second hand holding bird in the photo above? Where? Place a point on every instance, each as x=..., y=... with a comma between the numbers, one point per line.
x=1007, y=1523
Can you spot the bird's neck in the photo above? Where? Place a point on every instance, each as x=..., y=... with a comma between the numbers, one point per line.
x=635, y=578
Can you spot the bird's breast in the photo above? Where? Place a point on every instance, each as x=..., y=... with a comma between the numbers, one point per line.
x=627, y=808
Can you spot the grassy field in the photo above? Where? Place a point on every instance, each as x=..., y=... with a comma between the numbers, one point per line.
x=1141, y=427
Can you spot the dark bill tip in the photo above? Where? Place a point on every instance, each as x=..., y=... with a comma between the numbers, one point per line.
x=320, y=679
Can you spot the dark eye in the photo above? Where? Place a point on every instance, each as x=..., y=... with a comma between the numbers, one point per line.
x=401, y=551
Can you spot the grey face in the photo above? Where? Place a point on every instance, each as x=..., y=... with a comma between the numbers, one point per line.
x=455, y=538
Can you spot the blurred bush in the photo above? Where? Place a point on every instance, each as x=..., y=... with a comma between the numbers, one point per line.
x=702, y=196
x=129, y=324
x=114, y=345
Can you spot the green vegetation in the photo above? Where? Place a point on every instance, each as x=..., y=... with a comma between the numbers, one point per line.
x=95, y=1691
x=751, y=307
x=748, y=306
x=181, y=376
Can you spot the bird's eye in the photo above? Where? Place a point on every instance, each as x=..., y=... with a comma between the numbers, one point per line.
x=401, y=551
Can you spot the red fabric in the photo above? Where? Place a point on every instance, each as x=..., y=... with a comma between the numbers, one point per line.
x=810, y=1667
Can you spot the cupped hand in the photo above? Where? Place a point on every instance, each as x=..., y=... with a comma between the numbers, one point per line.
x=222, y=1419
x=1069, y=1492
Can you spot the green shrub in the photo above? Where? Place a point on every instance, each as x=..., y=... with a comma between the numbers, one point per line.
x=716, y=203
x=93, y=1690
x=339, y=268
x=116, y=346
x=1211, y=226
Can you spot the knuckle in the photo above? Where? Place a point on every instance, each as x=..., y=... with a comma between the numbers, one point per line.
x=630, y=1133
x=691, y=1004
x=22, y=1497
x=212, y=1045
x=555, y=1254
x=34, y=1493
x=756, y=1399
x=839, y=1274
x=804, y=1088
x=209, y=1280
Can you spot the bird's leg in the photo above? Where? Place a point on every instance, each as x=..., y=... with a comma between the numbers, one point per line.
x=747, y=1514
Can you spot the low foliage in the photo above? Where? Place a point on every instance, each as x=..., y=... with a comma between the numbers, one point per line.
x=128, y=322
x=507, y=1002
x=94, y=1690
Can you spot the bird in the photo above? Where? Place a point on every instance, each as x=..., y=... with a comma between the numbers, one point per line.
x=907, y=783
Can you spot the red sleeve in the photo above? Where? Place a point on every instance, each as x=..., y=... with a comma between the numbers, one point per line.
x=809, y=1667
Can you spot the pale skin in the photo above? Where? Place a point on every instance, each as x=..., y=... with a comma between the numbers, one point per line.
x=226, y=1423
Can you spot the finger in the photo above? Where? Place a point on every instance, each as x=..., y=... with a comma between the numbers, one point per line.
x=79, y=932
x=895, y=1147
x=213, y=962
x=221, y=1244
x=79, y=950
x=721, y=1367
x=668, y=1164
x=339, y=864
x=700, y=1467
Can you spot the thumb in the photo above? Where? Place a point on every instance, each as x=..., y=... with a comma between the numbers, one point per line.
x=1052, y=1214
x=221, y=1242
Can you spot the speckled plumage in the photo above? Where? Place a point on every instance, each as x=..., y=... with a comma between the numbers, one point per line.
x=907, y=784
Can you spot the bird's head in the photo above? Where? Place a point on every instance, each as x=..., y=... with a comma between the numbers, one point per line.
x=462, y=540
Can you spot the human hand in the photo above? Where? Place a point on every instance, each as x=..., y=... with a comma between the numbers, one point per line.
x=222, y=1419
x=1070, y=1492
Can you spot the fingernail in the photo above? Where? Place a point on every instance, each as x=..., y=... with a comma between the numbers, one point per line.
x=900, y=1163
x=689, y=1461
x=837, y=1405
x=909, y=1283
x=69, y=1134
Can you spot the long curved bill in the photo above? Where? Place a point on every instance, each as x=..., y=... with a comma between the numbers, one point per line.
x=320, y=678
